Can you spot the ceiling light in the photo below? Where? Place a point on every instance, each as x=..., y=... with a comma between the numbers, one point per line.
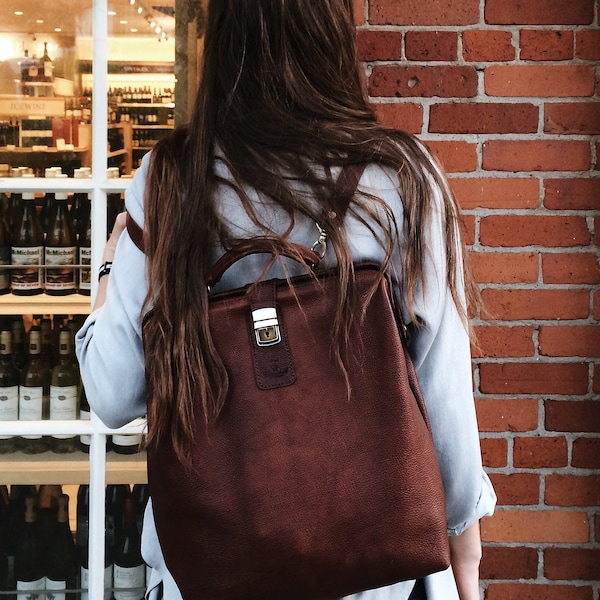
x=133, y=30
x=19, y=13
x=39, y=20
x=123, y=22
x=140, y=10
x=112, y=13
x=57, y=29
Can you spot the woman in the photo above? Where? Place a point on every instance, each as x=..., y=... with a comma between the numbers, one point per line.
x=280, y=108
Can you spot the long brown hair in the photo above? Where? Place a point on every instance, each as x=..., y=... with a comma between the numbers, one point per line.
x=280, y=93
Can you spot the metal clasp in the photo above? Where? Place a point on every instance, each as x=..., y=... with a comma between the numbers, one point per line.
x=320, y=246
x=266, y=326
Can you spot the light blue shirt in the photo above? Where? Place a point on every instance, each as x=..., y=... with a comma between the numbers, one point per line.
x=110, y=343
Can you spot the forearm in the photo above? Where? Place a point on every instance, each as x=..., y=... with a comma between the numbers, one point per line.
x=465, y=551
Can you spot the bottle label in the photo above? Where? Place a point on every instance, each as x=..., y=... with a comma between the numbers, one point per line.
x=36, y=589
x=56, y=589
x=4, y=273
x=85, y=275
x=9, y=405
x=33, y=72
x=128, y=439
x=63, y=406
x=27, y=279
x=48, y=70
x=62, y=278
x=130, y=582
x=85, y=438
x=31, y=401
x=108, y=582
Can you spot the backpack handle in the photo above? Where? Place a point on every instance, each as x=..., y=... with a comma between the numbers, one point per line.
x=260, y=245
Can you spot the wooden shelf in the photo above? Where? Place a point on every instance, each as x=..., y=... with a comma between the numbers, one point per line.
x=19, y=468
x=73, y=304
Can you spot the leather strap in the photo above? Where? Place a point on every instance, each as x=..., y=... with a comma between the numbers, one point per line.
x=136, y=233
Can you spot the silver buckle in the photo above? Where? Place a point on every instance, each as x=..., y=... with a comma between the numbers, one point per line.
x=266, y=326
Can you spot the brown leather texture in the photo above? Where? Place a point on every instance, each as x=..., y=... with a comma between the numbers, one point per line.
x=300, y=492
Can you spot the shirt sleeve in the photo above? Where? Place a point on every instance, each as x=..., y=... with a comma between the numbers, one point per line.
x=440, y=349
x=109, y=345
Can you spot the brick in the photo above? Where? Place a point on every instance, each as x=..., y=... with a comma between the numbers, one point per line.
x=487, y=46
x=431, y=45
x=479, y=117
x=596, y=378
x=536, y=155
x=542, y=81
x=520, y=231
x=596, y=166
x=494, y=452
x=467, y=223
x=587, y=44
x=573, y=117
x=536, y=591
x=540, y=452
x=504, y=342
x=578, y=416
x=516, y=305
x=423, y=82
x=507, y=415
x=551, y=526
x=572, y=490
x=597, y=527
x=572, y=194
x=455, y=156
x=546, y=45
x=405, y=116
x=517, y=489
x=572, y=563
x=586, y=453
x=504, y=267
x=508, y=563
x=376, y=44
x=359, y=12
x=570, y=268
x=491, y=192
x=533, y=378
x=541, y=12
x=597, y=228
x=416, y=12
x=572, y=340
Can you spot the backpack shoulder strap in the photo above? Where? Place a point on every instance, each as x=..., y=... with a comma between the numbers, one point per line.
x=136, y=233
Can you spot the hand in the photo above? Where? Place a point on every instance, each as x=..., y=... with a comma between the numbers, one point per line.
x=465, y=556
x=111, y=244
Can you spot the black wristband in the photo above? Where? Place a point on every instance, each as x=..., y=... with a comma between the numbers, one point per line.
x=104, y=270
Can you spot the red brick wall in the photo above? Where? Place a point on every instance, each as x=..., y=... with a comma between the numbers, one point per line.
x=506, y=94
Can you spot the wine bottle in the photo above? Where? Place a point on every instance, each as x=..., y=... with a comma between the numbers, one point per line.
x=33, y=392
x=82, y=539
x=127, y=443
x=61, y=563
x=49, y=200
x=85, y=412
x=85, y=254
x=19, y=355
x=47, y=511
x=29, y=557
x=4, y=255
x=9, y=390
x=47, y=68
x=3, y=538
x=115, y=495
x=129, y=569
x=64, y=392
x=60, y=250
x=27, y=250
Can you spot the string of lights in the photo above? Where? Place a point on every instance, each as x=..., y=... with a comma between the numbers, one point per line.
x=150, y=18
